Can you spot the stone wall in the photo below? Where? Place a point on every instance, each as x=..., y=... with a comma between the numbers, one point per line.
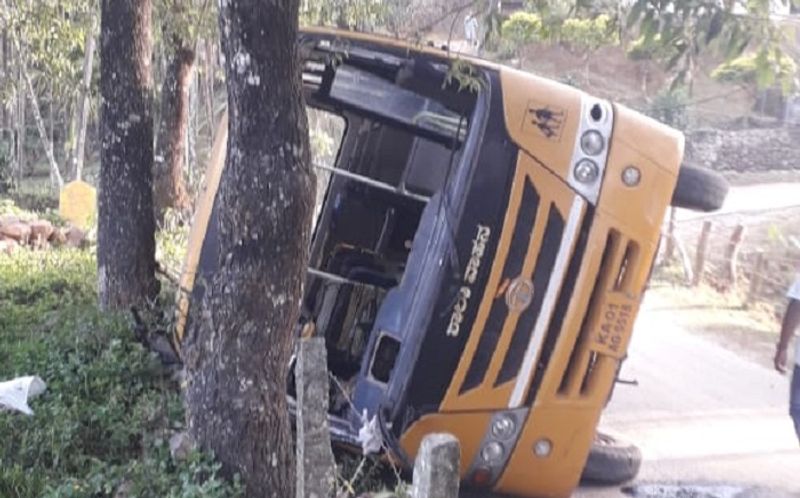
x=748, y=150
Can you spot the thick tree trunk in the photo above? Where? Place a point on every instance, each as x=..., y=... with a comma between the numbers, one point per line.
x=82, y=109
x=170, y=186
x=126, y=227
x=240, y=338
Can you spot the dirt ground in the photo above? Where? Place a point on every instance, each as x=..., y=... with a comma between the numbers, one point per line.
x=749, y=331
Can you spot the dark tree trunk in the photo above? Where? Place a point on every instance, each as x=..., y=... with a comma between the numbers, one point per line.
x=170, y=186
x=126, y=226
x=240, y=338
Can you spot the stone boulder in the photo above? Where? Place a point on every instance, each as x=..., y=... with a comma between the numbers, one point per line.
x=19, y=231
x=41, y=230
x=75, y=237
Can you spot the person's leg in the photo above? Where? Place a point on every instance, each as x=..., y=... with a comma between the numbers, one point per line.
x=794, y=400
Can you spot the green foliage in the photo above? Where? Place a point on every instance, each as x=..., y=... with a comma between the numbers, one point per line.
x=463, y=73
x=523, y=28
x=184, y=21
x=171, y=241
x=685, y=28
x=360, y=15
x=643, y=49
x=53, y=34
x=109, y=408
x=670, y=107
x=763, y=68
x=38, y=284
x=589, y=34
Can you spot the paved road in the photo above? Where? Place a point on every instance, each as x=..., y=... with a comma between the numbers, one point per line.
x=760, y=197
x=702, y=414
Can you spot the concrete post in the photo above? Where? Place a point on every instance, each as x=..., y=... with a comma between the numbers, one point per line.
x=315, y=464
x=436, y=469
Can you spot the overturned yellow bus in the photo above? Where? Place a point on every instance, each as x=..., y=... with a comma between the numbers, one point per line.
x=478, y=257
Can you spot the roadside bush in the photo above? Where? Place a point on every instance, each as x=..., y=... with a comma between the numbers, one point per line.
x=589, y=34
x=103, y=424
x=671, y=108
x=763, y=68
x=641, y=49
x=522, y=28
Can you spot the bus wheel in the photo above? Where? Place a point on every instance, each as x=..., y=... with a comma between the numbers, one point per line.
x=611, y=461
x=699, y=189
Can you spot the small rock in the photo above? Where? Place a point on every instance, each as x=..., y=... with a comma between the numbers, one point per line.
x=181, y=445
x=41, y=230
x=18, y=231
x=75, y=237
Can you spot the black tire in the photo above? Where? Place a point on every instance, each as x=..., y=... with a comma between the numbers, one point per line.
x=611, y=461
x=699, y=189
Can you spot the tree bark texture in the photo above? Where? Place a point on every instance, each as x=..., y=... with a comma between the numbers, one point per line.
x=126, y=226
x=170, y=185
x=240, y=336
x=82, y=109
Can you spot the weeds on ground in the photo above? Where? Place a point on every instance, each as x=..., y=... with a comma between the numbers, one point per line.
x=102, y=426
x=368, y=476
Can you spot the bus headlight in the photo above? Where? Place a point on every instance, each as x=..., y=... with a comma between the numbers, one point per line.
x=586, y=171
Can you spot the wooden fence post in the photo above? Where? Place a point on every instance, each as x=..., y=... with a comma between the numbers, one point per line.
x=436, y=469
x=732, y=256
x=686, y=261
x=315, y=464
x=755, y=277
x=700, y=256
x=669, y=248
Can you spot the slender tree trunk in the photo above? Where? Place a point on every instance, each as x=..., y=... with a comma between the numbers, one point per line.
x=82, y=109
x=170, y=185
x=47, y=143
x=126, y=227
x=21, y=126
x=211, y=66
x=6, y=76
x=191, y=137
x=240, y=336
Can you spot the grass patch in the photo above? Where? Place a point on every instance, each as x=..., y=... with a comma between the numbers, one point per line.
x=104, y=422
